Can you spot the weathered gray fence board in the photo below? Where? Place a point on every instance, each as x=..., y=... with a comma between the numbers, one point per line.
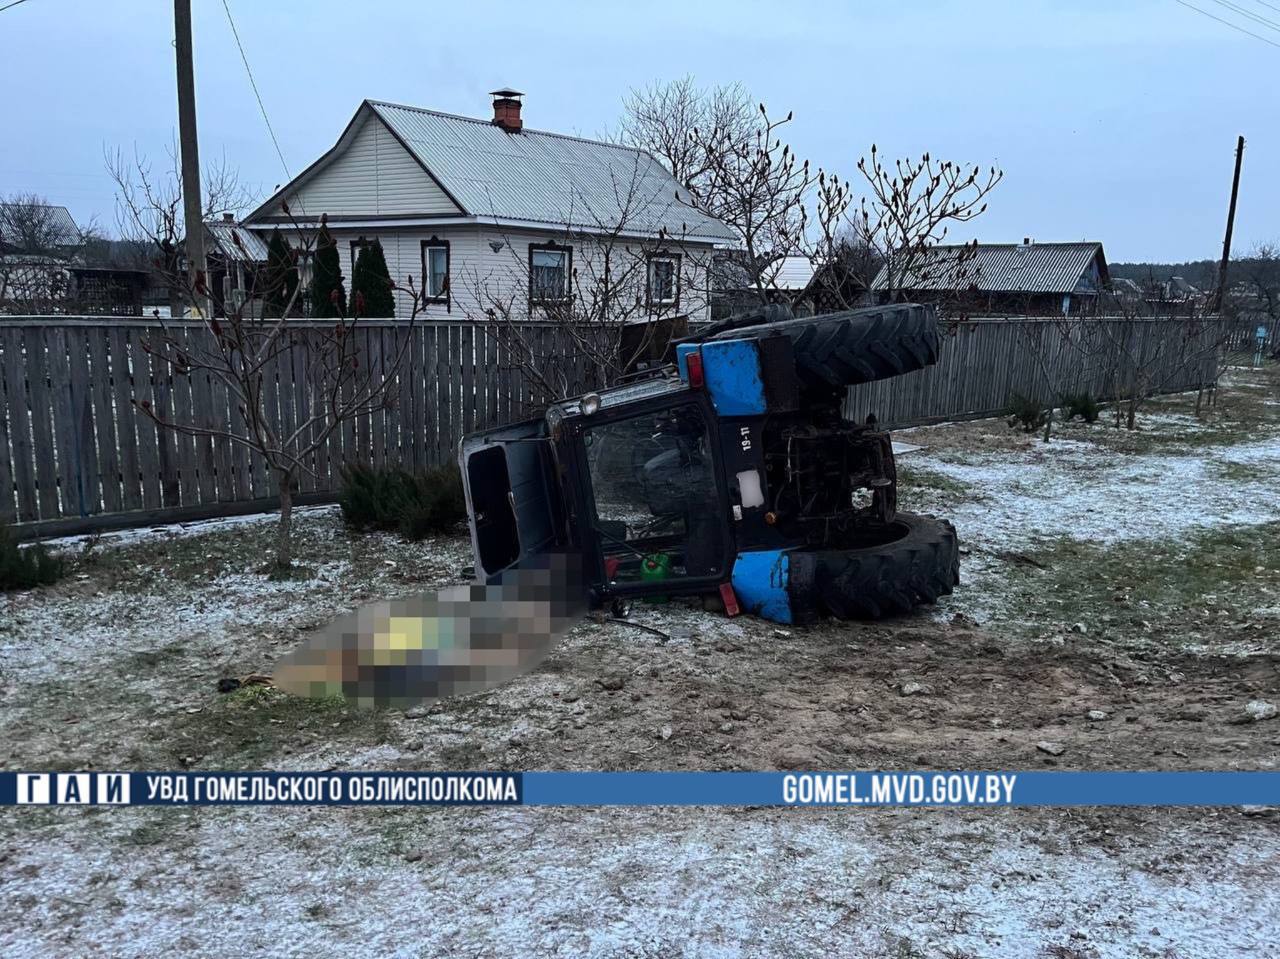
x=431, y=397
x=88, y=461
x=8, y=506
x=76, y=453
x=148, y=432
x=104, y=418
x=46, y=476
x=166, y=465
x=182, y=392
x=126, y=418
x=984, y=362
x=301, y=412
x=19, y=417
x=271, y=404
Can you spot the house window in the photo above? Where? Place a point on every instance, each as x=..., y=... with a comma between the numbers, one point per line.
x=664, y=280
x=549, y=269
x=435, y=271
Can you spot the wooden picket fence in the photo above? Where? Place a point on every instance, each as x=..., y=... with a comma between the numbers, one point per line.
x=77, y=455
x=985, y=361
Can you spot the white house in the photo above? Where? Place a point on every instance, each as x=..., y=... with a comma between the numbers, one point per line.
x=501, y=218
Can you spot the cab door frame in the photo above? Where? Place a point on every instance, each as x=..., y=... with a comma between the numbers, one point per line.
x=583, y=493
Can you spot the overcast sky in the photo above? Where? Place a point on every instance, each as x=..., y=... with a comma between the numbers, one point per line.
x=1113, y=121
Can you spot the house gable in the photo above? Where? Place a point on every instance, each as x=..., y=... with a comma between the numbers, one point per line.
x=368, y=173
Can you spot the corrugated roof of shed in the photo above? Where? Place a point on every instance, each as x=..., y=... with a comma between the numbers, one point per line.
x=58, y=223
x=789, y=273
x=1001, y=267
x=252, y=248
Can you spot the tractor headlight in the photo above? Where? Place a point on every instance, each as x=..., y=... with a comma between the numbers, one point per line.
x=589, y=405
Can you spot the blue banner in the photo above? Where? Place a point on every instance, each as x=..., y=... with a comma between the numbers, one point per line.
x=839, y=789
x=1008, y=788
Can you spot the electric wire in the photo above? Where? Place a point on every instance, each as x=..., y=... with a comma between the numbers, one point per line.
x=254, y=84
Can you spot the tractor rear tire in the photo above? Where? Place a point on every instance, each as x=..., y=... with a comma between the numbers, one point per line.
x=913, y=560
x=855, y=346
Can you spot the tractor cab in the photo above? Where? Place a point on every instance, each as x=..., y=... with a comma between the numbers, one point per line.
x=735, y=470
x=631, y=477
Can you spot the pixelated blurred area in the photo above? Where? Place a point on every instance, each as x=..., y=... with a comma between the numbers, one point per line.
x=461, y=640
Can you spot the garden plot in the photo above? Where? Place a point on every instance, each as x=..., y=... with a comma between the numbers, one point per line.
x=1120, y=510
x=1071, y=609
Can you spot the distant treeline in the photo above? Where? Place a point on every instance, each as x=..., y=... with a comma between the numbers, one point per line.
x=1199, y=273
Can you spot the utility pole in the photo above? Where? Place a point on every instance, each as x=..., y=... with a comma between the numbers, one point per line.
x=189, y=153
x=1231, y=222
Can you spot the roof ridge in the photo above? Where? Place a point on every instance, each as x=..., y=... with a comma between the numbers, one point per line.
x=487, y=123
x=1028, y=246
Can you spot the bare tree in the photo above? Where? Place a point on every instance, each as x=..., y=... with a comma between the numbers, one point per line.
x=1062, y=348
x=149, y=209
x=907, y=212
x=610, y=290
x=243, y=351
x=734, y=164
x=756, y=186
x=1260, y=306
x=38, y=242
x=1152, y=350
x=662, y=117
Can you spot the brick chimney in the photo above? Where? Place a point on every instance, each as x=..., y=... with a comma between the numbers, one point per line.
x=506, y=109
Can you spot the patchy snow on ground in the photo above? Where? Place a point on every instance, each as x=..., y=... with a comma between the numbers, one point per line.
x=128, y=649
x=200, y=527
x=659, y=882
x=1086, y=492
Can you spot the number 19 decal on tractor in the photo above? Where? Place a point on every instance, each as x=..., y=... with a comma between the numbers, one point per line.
x=732, y=471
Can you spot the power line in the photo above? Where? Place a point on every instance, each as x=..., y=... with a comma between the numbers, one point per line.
x=253, y=83
x=1271, y=6
x=1245, y=13
x=8, y=5
x=1233, y=26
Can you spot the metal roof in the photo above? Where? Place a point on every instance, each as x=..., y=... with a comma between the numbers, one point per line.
x=789, y=273
x=251, y=249
x=1003, y=267
x=55, y=221
x=546, y=178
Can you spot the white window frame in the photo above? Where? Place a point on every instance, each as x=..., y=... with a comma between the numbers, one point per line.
x=543, y=299
x=673, y=302
x=445, y=293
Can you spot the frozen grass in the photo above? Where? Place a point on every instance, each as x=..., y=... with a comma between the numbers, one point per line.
x=1103, y=506
x=1159, y=541
x=660, y=882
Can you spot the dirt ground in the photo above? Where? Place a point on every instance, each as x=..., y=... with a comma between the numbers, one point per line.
x=1121, y=599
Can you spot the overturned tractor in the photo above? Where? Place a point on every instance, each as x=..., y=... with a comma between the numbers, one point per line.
x=731, y=471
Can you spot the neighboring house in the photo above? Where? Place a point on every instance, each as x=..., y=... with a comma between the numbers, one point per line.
x=1030, y=278
x=108, y=291
x=48, y=265
x=1178, y=290
x=234, y=259
x=785, y=279
x=38, y=229
x=37, y=244
x=1125, y=288
x=809, y=288
x=789, y=276
x=498, y=217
